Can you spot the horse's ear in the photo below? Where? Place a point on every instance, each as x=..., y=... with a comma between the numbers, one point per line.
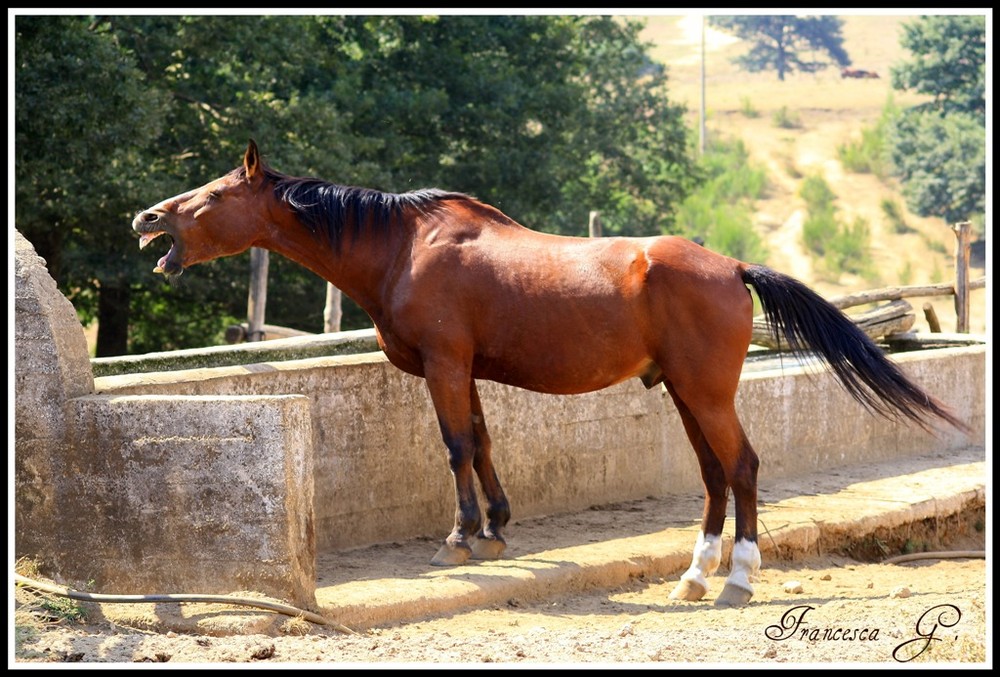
x=251, y=160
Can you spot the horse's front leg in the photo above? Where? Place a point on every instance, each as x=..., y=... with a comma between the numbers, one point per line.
x=490, y=542
x=449, y=387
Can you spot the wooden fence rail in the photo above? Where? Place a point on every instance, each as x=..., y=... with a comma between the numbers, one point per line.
x=894, y=317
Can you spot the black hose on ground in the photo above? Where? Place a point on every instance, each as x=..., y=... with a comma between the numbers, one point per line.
x=945, y=554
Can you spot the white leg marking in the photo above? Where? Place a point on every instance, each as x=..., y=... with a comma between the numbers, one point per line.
x=746, y=565
x=707, y=558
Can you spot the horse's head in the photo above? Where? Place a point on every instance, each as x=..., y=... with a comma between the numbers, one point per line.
x=221, y=218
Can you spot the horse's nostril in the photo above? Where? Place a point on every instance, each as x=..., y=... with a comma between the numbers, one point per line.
x=149, y=217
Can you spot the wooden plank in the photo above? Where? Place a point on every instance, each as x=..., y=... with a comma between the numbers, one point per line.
x=890, y=318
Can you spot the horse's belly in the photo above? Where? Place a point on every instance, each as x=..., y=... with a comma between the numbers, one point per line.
x=561, y=376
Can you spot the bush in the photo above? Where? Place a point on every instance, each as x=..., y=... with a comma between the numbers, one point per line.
x=819, y=228
x=894, y=215
x=848, y=248
x=719, y=212
x=733, y=235
x=843, y=248
x=817, y=193
x=747, y=108
x=785, y=119
x=870, y=154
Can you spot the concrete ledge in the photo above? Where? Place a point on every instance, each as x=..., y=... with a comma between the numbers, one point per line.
x=821, y=514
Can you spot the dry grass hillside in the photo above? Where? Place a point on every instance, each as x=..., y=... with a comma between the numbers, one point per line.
x=830, y=111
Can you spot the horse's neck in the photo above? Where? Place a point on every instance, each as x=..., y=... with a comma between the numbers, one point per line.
x=357, y=267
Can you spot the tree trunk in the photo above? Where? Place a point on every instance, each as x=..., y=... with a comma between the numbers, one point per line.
x=48, y=245
x=112, y=318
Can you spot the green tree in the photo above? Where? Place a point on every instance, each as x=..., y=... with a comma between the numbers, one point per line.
x=546, y=117
x=82, y=117
x=938, y=149
x=941, y=161
x=779, y=42
x=948, y=62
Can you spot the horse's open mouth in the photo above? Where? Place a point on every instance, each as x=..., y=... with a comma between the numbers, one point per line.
x=166, y=264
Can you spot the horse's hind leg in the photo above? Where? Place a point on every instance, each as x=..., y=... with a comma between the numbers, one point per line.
x=727, y=460
x=708, y=548
x=745, y=569
x=489, y=543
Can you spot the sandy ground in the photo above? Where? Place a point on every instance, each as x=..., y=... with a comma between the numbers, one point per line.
x=847, y=612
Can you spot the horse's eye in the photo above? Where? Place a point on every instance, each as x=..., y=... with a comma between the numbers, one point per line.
x=215, y=195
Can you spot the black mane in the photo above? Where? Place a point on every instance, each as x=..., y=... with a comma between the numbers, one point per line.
x=335, y=210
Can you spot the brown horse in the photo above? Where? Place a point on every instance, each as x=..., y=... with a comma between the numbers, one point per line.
x=458, y=292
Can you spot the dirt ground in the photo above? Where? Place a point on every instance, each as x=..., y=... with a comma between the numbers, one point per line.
x=932, y=610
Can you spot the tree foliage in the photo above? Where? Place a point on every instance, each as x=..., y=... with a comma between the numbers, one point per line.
x=83, y=118
x=938, y=149
x=941, y=161
x=546, y=117
x=786, y=43
x=948, y=62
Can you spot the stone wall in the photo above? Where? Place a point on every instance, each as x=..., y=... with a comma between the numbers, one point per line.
x=381, y=470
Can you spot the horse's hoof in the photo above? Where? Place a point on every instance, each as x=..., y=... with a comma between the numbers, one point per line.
x=733, y=596
x=488, y=548
x=689, y=591
x=451, y=555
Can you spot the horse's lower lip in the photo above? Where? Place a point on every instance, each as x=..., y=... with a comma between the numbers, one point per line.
x=167, y=265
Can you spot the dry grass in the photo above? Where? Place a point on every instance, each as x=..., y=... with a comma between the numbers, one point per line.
x=871, y=41
x=35, y=611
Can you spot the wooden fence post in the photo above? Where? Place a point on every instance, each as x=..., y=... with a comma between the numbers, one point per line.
x=595, y=224
x=332, y=311
x=932, y=319
x=257, y=299
x=962, y=245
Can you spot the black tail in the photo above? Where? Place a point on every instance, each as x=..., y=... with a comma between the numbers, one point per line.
x=808, y=321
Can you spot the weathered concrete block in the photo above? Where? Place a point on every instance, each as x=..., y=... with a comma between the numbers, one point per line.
x=49, y=347
x=801, y=421
x=51, y=365
x=189, y=494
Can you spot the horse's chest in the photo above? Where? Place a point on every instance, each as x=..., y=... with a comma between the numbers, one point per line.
x=399, y=353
